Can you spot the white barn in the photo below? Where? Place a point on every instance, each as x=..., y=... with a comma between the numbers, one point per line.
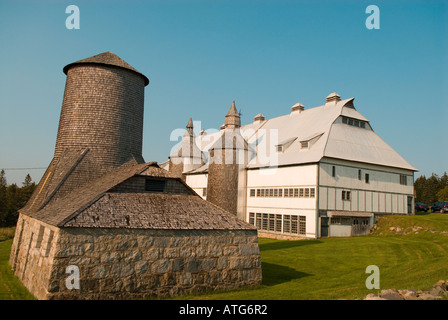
x=310, y=173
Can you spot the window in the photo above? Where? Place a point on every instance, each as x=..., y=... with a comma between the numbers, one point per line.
x=258, y=193
x=296, y=192
x=264, y=225
x=312, y=192
x=359, y=174
x=275, y=193
x=258, y=221
x=271, y=222
x=271, y=192
x=252, y=218
x=279, y=148
x=252, y=192
x=302, y=225
x=278, y=223
x=287, y=224
x=346, y=195
x=301, y=193
x=403, y=180
x=153, y=185
x=304, y=145
x=294, y=224
x=350, y=122
x=333, y=171
x=345, y=120
x=367, y=178
x=286, y=193
x=363, y=124
x=280, y=192
x=204, y=192
x=307, y=192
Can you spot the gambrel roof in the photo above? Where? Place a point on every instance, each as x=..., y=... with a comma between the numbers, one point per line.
x=323, y=125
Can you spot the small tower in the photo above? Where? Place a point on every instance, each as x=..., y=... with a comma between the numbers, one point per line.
x=100, y=126
x=229, y=156
x=187, y=156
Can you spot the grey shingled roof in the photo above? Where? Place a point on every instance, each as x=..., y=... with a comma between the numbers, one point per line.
x=156, y=211
x=106, y=58
x=59, y=211
x=93, y=206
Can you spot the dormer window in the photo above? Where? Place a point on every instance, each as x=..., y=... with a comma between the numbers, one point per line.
x=354, y=122
x=282, y=146
x=308, y=142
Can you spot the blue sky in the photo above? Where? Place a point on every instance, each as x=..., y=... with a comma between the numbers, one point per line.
x=201, y=55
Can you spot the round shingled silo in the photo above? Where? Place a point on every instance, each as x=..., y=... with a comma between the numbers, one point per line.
x=102, y=111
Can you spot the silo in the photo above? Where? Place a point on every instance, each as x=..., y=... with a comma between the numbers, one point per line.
x=102, y=110
x=100, y=126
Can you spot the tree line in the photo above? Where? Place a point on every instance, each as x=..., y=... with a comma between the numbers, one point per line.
x=13, y=198
x=432, y=189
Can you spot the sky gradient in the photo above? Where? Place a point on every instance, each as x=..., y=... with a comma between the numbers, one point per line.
x=201, y=55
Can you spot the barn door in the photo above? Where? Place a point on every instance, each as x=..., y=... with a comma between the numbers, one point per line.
x=324, y=226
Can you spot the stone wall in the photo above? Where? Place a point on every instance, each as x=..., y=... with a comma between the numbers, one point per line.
x=133, y=263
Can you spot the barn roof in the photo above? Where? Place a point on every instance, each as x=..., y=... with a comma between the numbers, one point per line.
x=331, y=138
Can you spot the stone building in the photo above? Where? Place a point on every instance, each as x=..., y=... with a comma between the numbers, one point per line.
x=103, y=224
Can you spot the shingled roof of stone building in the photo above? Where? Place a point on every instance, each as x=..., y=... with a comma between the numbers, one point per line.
x=106, y=58
x=96, y=205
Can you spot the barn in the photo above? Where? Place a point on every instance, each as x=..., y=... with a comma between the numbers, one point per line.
x=311, y=173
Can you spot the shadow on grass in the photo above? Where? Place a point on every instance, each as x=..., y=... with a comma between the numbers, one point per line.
x=274, y=274
x=286, y=244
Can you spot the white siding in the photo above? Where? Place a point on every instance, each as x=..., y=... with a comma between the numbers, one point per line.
x=382, y=193
x=197, y=182
x=288, y=177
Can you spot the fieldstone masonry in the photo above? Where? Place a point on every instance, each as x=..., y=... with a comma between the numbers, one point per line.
x=133, y=263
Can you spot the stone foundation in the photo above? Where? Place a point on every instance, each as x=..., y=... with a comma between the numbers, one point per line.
x=132, y=263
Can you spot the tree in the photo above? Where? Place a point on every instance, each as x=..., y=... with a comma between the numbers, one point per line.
x=3, y=208
x=13, y=198
x=419, y=187
x=442, y=195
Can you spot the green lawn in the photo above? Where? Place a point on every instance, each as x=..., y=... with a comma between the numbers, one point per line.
x=10, y=286
x=331, y=268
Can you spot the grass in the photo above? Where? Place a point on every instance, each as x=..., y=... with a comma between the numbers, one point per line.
x=10, y=286
x=330, y=268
